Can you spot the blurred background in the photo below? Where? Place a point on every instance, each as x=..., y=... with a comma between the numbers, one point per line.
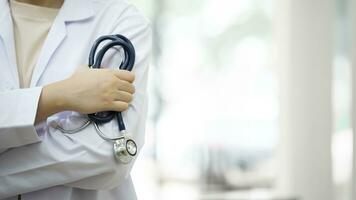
x=249, y=99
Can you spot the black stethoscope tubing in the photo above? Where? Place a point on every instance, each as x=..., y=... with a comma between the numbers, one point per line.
x=95, y=61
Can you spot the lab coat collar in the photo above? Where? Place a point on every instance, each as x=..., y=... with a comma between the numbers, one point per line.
x=71, y=12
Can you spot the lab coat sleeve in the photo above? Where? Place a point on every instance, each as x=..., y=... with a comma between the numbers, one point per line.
x=82, y=160
x=18, y=111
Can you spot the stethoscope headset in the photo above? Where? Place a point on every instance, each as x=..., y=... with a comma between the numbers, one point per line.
x=124, y=147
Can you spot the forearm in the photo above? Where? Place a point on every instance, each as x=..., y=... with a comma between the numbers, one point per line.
x=82, y=93
x=52, y=100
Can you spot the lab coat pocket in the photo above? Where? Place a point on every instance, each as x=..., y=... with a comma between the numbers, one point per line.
x=71, y=120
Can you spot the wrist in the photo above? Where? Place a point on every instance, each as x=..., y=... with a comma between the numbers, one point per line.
x=53, y=99
x=56, y=96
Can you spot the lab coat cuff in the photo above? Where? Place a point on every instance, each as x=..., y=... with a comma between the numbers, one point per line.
x=19, y=128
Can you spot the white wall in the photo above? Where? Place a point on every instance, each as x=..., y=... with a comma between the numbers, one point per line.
x=353, y=67
x=304, y=34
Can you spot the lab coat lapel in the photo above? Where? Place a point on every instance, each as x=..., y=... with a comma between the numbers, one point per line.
x=7, y=38
x=54, y=39
x=71, y=12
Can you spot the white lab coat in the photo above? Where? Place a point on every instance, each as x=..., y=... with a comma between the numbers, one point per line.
x=40, y=162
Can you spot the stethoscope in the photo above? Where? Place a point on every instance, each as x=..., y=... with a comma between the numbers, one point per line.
x=124, y=146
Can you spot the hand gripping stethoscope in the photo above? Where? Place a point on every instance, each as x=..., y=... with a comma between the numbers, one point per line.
x=124, y=146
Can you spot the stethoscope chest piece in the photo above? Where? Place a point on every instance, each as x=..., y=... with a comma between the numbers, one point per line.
x=125, y=149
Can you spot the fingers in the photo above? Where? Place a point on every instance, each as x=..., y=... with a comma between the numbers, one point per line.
x=123, y=96
x=124, y=75
x=126, y=80
x=119, y=106
x=120, y=101
x=126, y=87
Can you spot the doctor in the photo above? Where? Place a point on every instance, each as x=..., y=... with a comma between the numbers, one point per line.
x=44, y=81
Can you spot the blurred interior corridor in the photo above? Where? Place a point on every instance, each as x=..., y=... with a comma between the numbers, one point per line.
x=250, y=99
